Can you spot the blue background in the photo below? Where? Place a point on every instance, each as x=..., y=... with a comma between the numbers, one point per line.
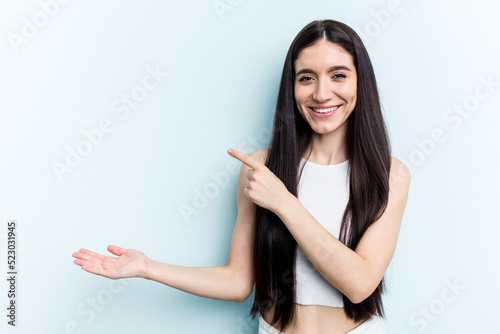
x=68, y=73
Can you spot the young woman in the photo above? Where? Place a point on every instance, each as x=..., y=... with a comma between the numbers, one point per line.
x=319, y=211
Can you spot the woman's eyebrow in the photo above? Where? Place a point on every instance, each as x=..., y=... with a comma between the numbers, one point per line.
x=331, y=69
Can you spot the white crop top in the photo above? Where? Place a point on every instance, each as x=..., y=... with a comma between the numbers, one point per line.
x=324, y=191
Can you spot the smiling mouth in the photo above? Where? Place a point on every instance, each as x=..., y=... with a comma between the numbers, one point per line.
x=325, y=110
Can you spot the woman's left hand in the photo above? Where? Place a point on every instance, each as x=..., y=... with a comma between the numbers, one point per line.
x=263, y=187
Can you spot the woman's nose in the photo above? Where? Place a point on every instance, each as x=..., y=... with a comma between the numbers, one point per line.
x=323, y=92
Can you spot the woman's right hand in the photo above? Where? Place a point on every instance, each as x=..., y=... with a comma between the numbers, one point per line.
x=129, y=263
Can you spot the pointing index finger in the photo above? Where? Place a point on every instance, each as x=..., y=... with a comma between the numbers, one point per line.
x=247, y=160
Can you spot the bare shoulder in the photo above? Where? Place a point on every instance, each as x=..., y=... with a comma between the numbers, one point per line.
x=260, y=155
x=400, y=174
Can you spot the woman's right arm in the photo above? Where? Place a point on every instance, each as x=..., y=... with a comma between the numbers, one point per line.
x=233, y=281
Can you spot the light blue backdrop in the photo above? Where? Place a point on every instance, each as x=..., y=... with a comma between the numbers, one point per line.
x=150, y=94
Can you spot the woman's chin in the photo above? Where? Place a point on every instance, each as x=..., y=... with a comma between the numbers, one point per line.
x=322, y=130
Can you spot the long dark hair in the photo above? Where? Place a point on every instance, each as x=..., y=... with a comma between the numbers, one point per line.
x=368, y=150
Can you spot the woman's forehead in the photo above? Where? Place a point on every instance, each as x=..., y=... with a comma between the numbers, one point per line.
x=323, y=54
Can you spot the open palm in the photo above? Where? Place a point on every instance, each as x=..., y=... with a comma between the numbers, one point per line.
x=129, y=263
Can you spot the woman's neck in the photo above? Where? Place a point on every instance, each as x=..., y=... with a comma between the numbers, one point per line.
x=327, y=149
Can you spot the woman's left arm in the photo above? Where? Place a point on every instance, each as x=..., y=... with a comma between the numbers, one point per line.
x=355, y=273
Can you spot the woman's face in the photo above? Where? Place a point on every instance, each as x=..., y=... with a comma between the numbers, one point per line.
x=325, y=86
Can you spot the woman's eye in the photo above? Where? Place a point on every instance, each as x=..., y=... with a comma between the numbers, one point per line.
x=305, y=78
x=339, y=76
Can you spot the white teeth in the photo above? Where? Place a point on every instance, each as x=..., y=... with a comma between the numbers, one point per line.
x=327, y=110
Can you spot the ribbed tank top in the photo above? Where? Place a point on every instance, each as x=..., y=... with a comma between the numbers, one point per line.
x=324, y=191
